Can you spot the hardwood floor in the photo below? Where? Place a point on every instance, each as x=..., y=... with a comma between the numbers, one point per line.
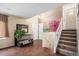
x=35, y=49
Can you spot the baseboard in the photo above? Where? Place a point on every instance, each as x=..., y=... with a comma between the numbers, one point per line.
x=6, y=47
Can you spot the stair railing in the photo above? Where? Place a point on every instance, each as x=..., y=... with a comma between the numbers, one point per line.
x=57, y=35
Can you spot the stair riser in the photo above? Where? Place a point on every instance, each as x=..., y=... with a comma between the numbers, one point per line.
x=68, y=32
x=73, y=40
x=60, y=53
x=67, y=43
x=67, y=48
x=68, y=35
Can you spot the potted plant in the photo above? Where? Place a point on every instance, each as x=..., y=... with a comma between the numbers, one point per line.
x=19, y=33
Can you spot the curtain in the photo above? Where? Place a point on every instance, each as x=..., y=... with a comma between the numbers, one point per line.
x=4, y=26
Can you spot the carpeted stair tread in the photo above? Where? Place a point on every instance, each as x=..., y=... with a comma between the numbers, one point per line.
x=68, y=47
x=65, y=52
x=69, y=35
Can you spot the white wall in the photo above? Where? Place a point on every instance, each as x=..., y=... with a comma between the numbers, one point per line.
x=78, y=38
x=77, y=27
x=12, y=21
x=35, y=30
x=5, y=42
x=69, y=20
x=33, y=26
x=48, y=40
x=41, y=31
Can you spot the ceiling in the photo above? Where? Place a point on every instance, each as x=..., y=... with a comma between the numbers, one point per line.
x=26, y=10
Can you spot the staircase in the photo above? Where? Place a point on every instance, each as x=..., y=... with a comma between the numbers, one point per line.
x=67, y=45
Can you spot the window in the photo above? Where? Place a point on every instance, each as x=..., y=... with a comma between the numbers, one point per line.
x=3, y=26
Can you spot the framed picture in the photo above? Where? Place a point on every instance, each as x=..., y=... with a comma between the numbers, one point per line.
x=22, y=27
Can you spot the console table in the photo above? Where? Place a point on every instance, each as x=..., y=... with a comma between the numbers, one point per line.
x=27, y=39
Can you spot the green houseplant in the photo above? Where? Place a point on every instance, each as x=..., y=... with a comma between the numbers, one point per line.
x=19, y=33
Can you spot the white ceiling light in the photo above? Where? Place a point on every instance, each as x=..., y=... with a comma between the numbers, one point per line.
x=71, y=13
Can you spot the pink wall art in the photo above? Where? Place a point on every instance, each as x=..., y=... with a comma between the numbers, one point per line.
x=51, y=25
